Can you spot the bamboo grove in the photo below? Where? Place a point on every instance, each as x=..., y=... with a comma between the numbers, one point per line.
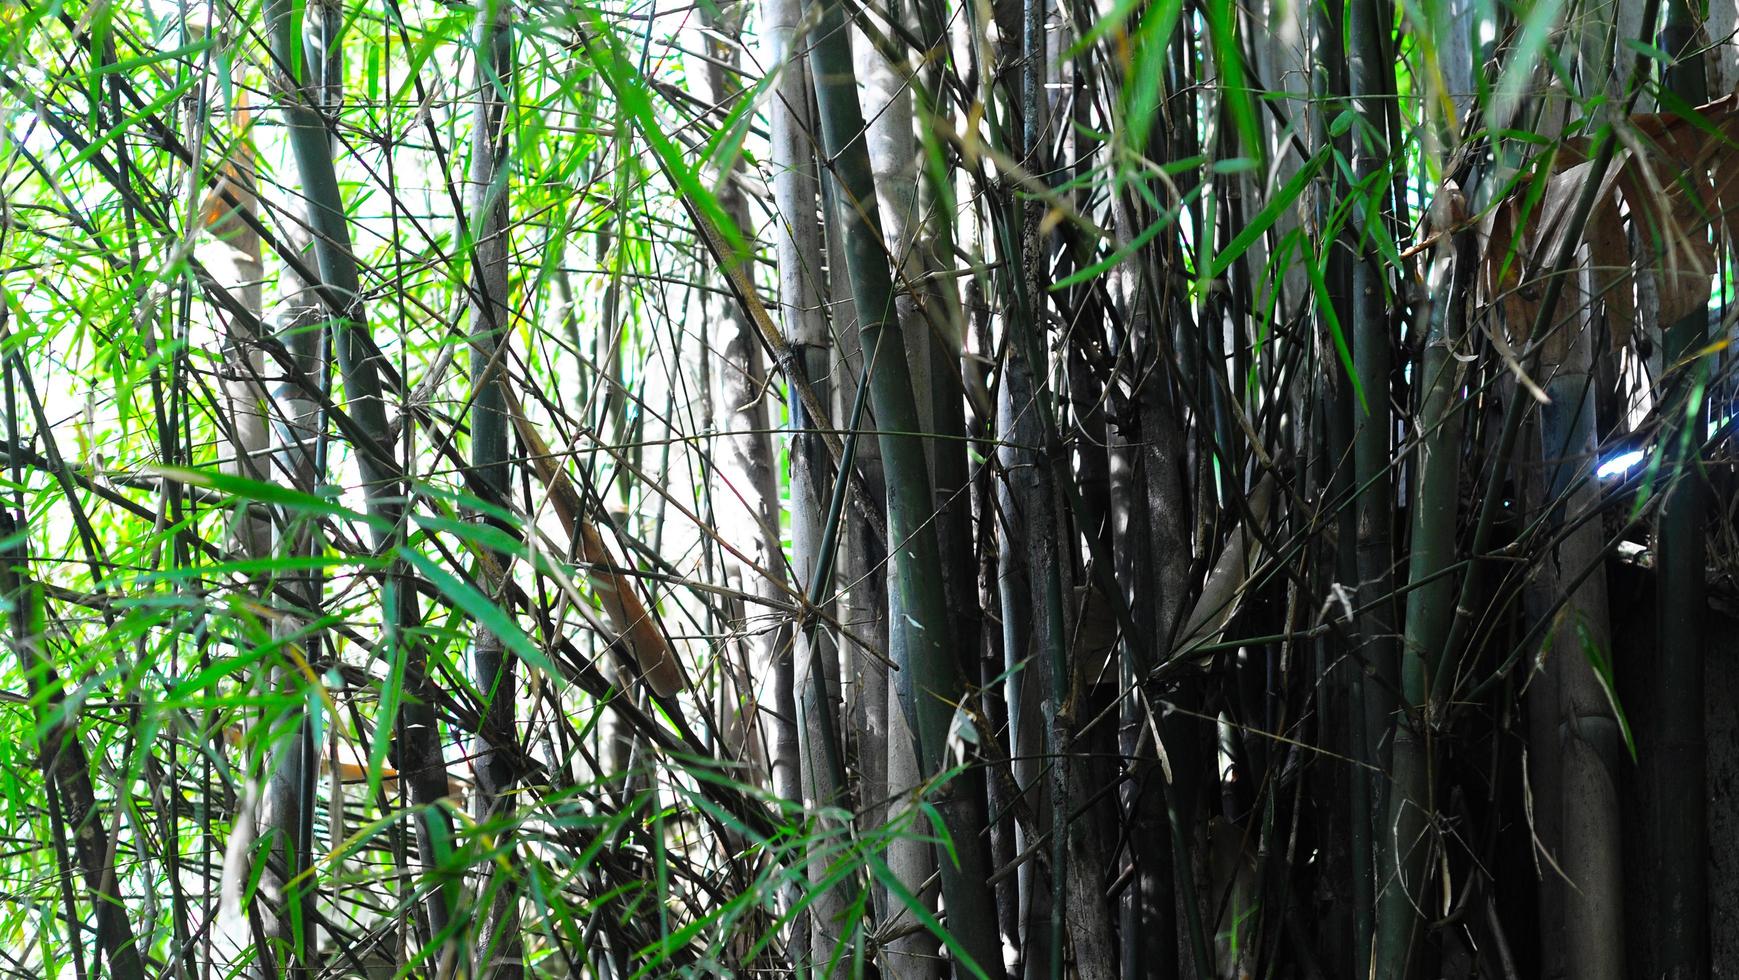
x=903, y=488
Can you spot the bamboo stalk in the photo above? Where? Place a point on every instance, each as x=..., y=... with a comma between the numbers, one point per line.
x=1581, y=723
x=493, y=671
x=487, y=202
x=797, y=246
x=1409, y=832
x=919, y=629
x=1676, y=802
x=65, y=764
x=285, y=803
x=1373, y=338
x=417, y=735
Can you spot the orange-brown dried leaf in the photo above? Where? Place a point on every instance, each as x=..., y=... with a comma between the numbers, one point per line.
x=616, y=592
x=235, y=191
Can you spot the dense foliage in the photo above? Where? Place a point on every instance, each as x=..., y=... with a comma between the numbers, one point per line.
x=1151, y=488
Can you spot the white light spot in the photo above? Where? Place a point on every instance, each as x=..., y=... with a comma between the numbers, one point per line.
x=1619, y=465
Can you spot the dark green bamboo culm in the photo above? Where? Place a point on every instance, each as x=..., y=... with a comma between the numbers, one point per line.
x=1347, y=726
x=65, y=765
x=1436, y=475
x=1050, y=651
x=287, y=807
x=486, y=205
x=416, y=734
x=919, y=631
x=1367, y=317
x=1676, y=799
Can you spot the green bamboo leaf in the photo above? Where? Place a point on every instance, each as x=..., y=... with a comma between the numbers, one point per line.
x=1166, y=219
x=451, y=24
x=386, y=715
x=915, y=905
x=1222, y=18
x=124, y=65
x=631, y=91
x=224, y=667
x=1107, y=22
x=1287, y=196
x=263, y=492
x=1151, y=46
x=1602, y=668
x=1325, y=305
x=484, y=610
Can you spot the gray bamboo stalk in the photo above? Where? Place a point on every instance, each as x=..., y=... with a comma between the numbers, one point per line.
x=1581, y=722
x=1034, y=580
x=334, y=258
x=816, y=675
x=797, y=247
x=1148, y=940
x=280, y=795
x=299, y=450
x=921, y=235
x=800, y=664
x=797, y=244
x=1280, y=38
x=1722, y=27
x=296, y=436
x=1550, y=488
x=911, y=951
x=487, y=209
x=286, y=806
x=246, y=402
x=862, y=599
x=1150, y=540
x=919, y=632
x=1075, y=920
x=887, y=761
x=1014, y=582
x=1038, y=649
